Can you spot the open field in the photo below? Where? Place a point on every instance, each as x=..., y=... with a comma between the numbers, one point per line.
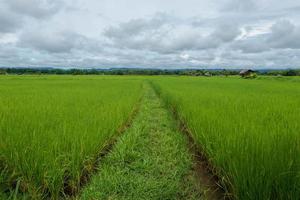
x=249, y=130
x=149, y=100
x=150, y=160
x=53, y=129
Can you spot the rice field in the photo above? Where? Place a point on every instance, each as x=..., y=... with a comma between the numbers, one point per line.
x=53, y=127
x=249, y=130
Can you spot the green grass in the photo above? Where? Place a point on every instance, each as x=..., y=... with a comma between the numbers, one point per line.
x=53, y=127
x=248, y=128
x=150, y=160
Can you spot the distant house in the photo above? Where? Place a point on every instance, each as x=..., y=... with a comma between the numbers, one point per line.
x=247, y=73
x=207, y=74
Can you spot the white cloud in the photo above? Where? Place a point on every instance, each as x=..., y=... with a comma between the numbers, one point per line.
x=185, y=56
x=133, y=33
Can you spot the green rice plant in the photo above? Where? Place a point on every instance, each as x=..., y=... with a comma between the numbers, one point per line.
x=249, y=129
x=53, y=127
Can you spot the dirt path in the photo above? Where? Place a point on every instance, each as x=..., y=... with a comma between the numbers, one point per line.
x=151, y=160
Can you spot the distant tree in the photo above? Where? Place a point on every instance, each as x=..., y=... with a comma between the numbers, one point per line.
x=3, y=71
x=125, y=71
x=290, y=73
x=225, y=72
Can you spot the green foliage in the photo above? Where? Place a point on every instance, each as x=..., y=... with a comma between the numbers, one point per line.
x=249, y=130
x=2, y=71
x=150, y=160
x=52, y=128
x=288, y=72
x=252, y=75
x=137, y=71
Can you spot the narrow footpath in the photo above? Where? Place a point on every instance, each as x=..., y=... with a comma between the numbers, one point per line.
x=151, y=160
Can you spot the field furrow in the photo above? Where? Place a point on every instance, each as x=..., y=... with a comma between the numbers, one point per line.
x=150, y=161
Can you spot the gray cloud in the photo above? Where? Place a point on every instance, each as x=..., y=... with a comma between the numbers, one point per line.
x=162, y=34
x=226, y=31
x=9, y=22
x=172, y=33
x=285, y=35
x=240, y=6
x=251, y=45
x=136, y=26
x=56, y=42
x=35, y=8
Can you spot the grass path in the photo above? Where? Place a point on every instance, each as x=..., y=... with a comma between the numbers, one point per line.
x=150, y=160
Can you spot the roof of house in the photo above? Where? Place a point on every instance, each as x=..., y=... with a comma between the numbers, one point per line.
x=244, y=71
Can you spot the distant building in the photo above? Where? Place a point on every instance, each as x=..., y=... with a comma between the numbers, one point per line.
x=247, y=73
x=207, y=74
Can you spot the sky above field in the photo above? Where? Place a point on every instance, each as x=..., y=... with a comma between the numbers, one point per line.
x=150, y=34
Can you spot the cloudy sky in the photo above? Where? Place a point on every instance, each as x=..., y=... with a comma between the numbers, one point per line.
x=150, y=34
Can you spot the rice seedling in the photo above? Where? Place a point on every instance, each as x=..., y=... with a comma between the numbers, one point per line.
x=53, y=127
x=249, y=129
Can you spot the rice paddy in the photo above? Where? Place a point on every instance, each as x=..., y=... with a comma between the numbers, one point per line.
x=53, y=129
x=249, y=130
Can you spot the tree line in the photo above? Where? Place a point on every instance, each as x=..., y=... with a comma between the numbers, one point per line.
x=126, y=71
